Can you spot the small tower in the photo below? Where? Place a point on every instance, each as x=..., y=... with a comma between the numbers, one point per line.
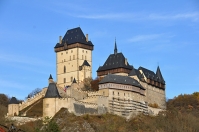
x=13, y=107
x=51, y=100
x=160, y=78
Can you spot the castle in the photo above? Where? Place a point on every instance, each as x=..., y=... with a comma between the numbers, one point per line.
x=123, y=89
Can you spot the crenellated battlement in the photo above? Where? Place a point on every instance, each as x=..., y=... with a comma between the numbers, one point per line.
x=93, y=93
x=32, y=100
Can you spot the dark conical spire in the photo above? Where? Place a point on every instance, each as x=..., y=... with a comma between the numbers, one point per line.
x=50, y=77
x=52, y=91
x=115, y=49
x=74, y=80
x=158, y=73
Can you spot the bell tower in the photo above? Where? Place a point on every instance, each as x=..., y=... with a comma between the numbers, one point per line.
x=73, y=57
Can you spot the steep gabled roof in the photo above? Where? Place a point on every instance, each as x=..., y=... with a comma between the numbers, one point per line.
x=115, y=61
x=148, y=73
x=159, y=75
x=85, y=63
x=72, y=36
x=151, y=75
x=52, y=91
x=13, y=100
x=135, y=72
x=111, y=78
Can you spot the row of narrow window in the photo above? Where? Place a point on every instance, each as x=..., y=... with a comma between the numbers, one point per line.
x=71, y=79
x=119, y=94
x=74, y=58
x=72, y=52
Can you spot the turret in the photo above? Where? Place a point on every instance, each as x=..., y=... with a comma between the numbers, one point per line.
x=159, y=75
x=13, y=107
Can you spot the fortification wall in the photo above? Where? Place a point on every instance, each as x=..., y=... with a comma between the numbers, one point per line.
x=125, y=95
x=80, y=109
x=52, y=105
x=155, y=95
x=78, y=94
x=32, y=100
x=126, y=107
x=95, y=93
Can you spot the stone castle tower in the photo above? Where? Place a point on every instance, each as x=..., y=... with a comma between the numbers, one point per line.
x=73, y=57
x=13, y=107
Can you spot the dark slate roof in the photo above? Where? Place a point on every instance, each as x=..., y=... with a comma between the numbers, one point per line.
x=52, y=91
x=151, y=75
x=50, y=77
x=135, y=72
x=159, y=75
x=115, y=61
x=74, y=80
x=111, y=78
x=72, y=36
x=13, y=100
x=85, y=63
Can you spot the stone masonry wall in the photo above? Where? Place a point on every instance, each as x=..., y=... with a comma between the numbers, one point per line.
x=155, y=95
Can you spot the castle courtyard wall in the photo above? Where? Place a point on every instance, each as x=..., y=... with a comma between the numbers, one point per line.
x=52, y=105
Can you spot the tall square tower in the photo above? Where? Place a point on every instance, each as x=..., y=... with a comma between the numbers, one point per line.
x=73, y=57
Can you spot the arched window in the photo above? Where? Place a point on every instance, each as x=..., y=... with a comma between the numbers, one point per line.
x=64, y=69
x=82, y=57
x=71, y=79
x=113, y=92
x=64, y=80
x=85, y=57
x=118, y=94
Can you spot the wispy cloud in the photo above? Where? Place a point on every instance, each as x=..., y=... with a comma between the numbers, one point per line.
x=194, y=16
x=140, y=16
x=144, y=37
x=154, y=42
x=108, y=16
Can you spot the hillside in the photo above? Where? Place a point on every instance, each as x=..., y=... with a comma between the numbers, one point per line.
x=182, y=115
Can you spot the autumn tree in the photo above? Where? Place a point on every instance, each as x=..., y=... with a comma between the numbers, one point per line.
x=95, y=84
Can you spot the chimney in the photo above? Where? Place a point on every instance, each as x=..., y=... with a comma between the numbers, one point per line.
x=86, y=37
x=60, y=39
x=125, y=61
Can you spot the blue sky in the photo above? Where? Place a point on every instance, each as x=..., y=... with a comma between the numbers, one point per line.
x=148, y=33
